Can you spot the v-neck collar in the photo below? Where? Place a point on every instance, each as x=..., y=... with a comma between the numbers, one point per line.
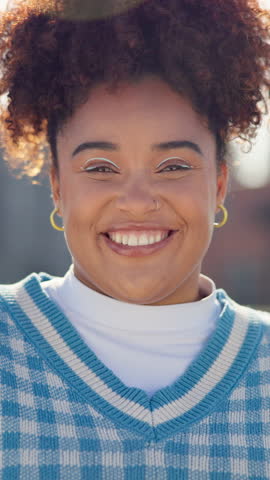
x=208, y=379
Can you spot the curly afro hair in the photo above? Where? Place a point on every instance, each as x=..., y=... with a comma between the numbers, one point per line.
x=216, y=53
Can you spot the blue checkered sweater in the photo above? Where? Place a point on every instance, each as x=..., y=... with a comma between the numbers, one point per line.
x=66, y=415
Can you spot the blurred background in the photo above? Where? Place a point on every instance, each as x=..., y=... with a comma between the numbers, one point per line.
x=239, y=256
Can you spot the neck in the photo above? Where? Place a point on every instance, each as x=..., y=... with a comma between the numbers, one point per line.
x=189, y=291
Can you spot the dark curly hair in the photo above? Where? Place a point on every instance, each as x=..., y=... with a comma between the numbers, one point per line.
x=217, y=53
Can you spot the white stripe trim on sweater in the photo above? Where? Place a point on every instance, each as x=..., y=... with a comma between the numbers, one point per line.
x=74, y=362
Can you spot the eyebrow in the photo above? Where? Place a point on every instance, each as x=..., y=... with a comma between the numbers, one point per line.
x=177, y=144
x=102, y=145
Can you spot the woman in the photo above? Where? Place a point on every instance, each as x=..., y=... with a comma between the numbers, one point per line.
x=133, y=365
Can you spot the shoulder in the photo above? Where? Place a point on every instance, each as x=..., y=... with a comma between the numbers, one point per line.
x=257, y=315
x=9, y=293
x=247, y=315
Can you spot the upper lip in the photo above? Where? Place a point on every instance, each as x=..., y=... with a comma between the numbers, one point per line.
x=139, y=227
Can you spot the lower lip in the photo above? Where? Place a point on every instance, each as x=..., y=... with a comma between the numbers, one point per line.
x=138, y=251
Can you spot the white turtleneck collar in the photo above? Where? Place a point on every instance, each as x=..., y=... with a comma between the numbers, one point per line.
x=146, y=346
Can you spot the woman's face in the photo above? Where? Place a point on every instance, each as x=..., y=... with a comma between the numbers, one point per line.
x=134, y=164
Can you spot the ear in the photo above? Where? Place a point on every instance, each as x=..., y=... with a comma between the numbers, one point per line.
x=222, y=184
x=55, y=188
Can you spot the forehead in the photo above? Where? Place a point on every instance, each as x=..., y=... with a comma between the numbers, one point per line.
x=146, y=112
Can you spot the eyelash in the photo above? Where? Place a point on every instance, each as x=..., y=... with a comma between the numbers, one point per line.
x=179, y=167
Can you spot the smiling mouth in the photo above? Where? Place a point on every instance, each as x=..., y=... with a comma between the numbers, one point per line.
x=136, y=239
x=148, y=245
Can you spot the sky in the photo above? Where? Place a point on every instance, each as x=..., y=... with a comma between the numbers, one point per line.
x=252, y=170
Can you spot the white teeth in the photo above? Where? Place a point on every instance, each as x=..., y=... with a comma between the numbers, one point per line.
x=125, y=240
x=143, y=240
x=117, y=238
x=133, y=240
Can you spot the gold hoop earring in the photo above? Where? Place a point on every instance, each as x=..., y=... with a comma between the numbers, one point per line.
x=60, y=229
x=225, y=217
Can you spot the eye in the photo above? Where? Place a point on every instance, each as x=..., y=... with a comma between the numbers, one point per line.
x=97, y=166
x=174, y=164
x=99, y=169
x=175, y=168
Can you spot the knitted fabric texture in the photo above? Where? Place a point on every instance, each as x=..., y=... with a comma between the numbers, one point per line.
x=65, y=415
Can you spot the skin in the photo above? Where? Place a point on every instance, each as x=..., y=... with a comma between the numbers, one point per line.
x=135, y=117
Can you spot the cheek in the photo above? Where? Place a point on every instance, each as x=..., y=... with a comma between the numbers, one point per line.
x=84, y=208
x=193, y=197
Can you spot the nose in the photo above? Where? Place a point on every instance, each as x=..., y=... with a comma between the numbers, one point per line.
x=137, y=197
